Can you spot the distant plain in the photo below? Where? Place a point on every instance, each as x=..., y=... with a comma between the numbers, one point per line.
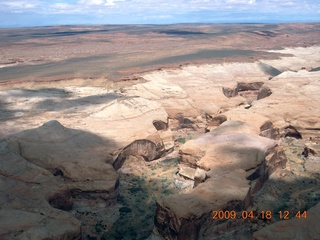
x=117, y=52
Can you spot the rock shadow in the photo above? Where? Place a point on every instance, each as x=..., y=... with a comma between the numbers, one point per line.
x=64, y=104
x=137, y=211
x=298, y=195
x=42, y=92
x=47, y=99
x=282, y=200
x=7, y=106
x=268, y=69
x=181, y=32
x=138, y=193
x=6, y=113
x=315, y=69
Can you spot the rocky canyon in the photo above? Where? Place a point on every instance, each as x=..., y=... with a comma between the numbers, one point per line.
x=166, y=153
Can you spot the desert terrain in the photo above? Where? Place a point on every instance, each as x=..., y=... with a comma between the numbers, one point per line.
x=119, y=51
x=160, y=132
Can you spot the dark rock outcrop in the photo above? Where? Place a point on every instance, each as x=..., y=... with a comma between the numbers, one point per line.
x=213, y=122
x=291, y=131
x=248, y=90
x=264, y=92
x=268, y=130
x=144, y=148
x=311, y=150
x=160, y=125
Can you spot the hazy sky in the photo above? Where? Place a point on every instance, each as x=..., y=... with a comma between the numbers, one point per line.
x=57, y=12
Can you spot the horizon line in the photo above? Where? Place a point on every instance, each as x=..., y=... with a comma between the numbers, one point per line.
x=159, y=24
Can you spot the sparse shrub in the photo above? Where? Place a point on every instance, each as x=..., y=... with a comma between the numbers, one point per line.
x=98, y=228
x=167, y=192
x=135, y=189
x=125, y=210
x=181, y=140
x=153, y=167
x=121, y=199
x=90, y=238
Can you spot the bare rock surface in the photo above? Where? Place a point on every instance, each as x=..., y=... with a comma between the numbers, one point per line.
x=288, y=99
x=80, y=158
x=26, y=193
x=93, y=108
x=235, y=163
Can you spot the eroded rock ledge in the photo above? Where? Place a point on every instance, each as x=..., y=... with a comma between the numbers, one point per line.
x=231, y=163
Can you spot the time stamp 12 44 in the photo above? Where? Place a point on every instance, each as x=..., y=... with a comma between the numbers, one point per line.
x=264, y=215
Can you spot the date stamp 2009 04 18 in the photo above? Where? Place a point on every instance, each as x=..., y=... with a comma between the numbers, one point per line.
x=265, y=215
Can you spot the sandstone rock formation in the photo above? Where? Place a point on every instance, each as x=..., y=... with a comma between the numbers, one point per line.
x=52, y=165
x=27, y=192
x=236, y=163
x=98, y=110
x=144, y=148
x=46, y=171
x=80, y=158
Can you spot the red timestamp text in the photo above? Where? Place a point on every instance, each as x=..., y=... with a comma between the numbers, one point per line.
x=264, y=214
